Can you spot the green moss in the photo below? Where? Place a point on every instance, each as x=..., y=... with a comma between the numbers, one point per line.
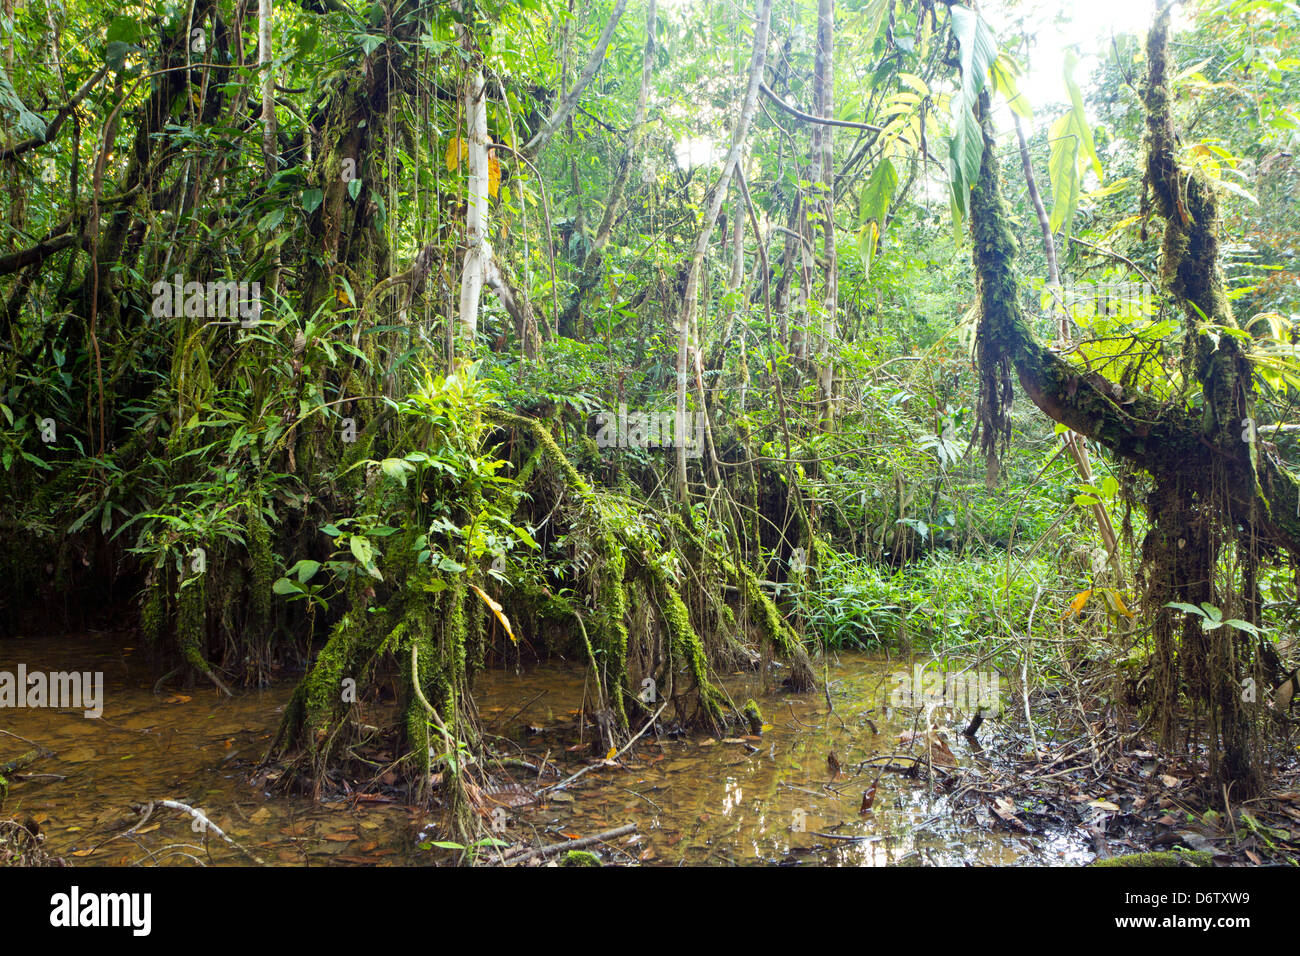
x=686, y=644
x=580, y=858
x=771, y=625
x=262, y=578
x=612, y=636
x=191, y=621
x=777, y=633
x=541, y=434
x=754, y=716
x=1159, y=858
x=545, y=604
x=153, y=616
x=322, y=688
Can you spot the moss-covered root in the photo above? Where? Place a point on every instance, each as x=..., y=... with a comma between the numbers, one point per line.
x=191, y=626
x=542, y=435
x=320, y=694
x=687, y=645
x=263, y=570
x=1159, y=858
x=777, y=633
x=612, y=636
x=773, y=628
x=753, y=717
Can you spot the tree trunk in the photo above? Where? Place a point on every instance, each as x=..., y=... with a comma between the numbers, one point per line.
x=1073, y=441
x=823, y=138
x=687, y=315
x=1211, y=487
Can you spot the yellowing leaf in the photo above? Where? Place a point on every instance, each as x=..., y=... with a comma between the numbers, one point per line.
x=497, y=610
x=1117, y=602
x=1076, y=605
x=494, y=174
x=613, y=752
x=457, y=150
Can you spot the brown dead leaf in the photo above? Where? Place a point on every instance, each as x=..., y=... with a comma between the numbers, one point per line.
x=1006, y=811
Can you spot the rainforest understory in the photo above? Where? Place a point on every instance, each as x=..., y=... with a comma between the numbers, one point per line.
x=373, y=348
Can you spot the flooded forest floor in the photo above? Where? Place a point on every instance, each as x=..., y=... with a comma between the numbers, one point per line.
x=833, y=778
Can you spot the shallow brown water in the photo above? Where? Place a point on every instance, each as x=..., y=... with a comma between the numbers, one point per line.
x=770, y=799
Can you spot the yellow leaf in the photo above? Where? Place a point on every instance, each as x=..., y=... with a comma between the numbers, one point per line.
x=1076, y=605
x=457, y=150
x=342, y=296
x=494, y=174
x=1118, y=602
x=613, y=752
x=497, y=610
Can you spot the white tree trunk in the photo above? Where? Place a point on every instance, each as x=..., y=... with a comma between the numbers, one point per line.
x=478, y=251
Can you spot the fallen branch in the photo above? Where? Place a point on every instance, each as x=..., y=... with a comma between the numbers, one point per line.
x=568, y=780
x=20, y=763
x=577, y=844
x=202, y=818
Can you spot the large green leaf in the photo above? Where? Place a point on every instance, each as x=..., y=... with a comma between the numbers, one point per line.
x=1005, y=73
x=1063, y=168
x=1080, y=118
x=979, y=50
x=873, y=208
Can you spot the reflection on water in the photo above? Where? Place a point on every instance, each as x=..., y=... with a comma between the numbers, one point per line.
x=772, y=798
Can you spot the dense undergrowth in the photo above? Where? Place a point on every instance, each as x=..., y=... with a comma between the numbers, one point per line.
x=373, y=481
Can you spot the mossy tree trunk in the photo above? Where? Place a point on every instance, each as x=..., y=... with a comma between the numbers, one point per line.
x=1213, y=487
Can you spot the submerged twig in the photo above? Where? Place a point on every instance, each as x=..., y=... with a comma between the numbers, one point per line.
x=571, y=844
